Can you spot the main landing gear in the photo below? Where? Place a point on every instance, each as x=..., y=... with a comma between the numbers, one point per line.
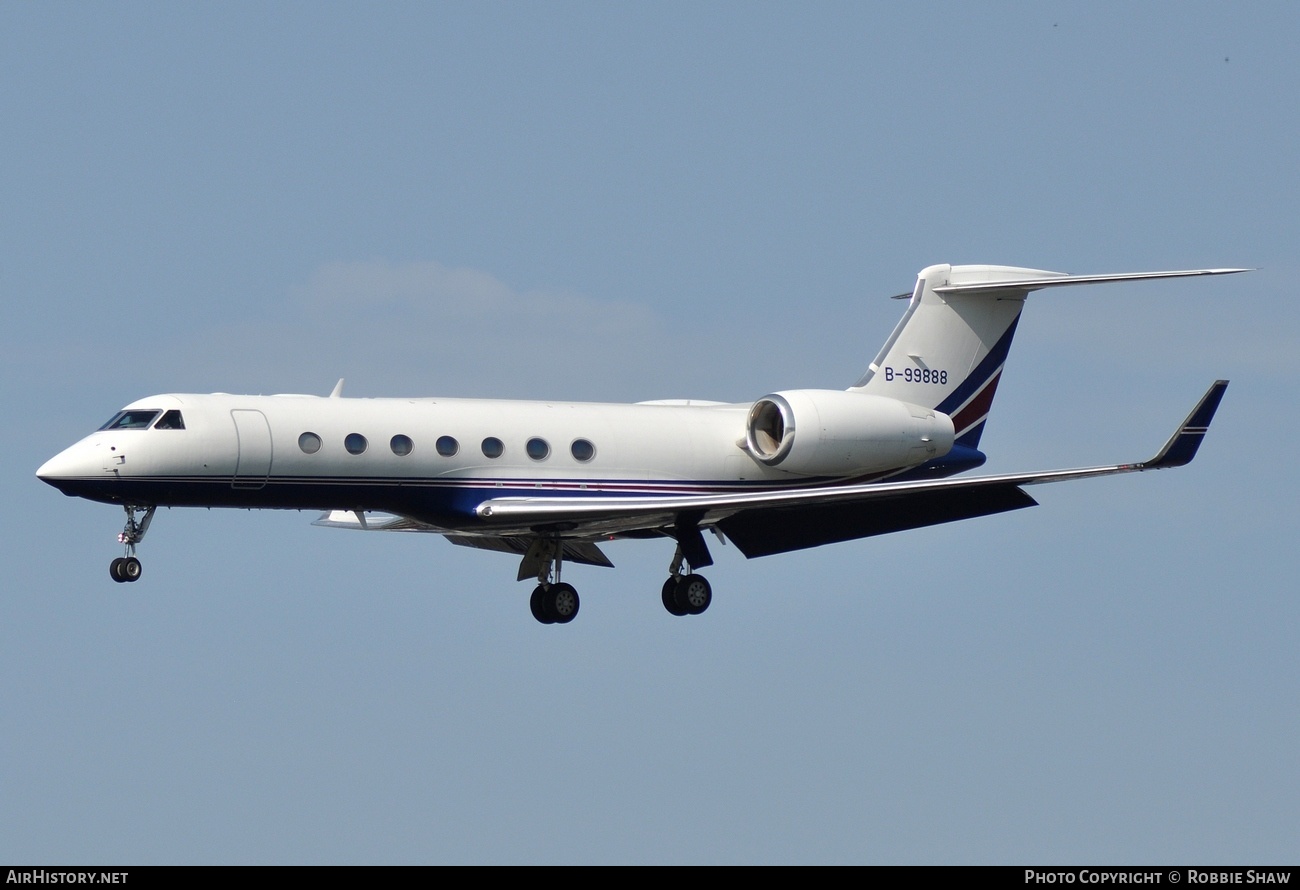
x=685, y=594
x=127, y=568
x=553, y=601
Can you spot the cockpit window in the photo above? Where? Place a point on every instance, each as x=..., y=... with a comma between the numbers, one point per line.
x=170, y=421
x=131, y=420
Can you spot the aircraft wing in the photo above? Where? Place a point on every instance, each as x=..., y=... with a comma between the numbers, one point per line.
x=373, y=521
x=583, y=552
x=766, y=522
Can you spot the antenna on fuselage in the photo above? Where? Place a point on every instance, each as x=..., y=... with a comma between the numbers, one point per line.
x=338, y=390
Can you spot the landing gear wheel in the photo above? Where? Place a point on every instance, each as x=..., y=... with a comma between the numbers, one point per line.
x=560, y=603
x=692, y=594
x=670, y=597
x=537, y=602
x=127, y=568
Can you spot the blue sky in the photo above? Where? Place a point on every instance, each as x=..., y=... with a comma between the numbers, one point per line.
x=635, y=201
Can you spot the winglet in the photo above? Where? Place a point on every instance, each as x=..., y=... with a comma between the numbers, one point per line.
x=1181, y=447
x=338, y=390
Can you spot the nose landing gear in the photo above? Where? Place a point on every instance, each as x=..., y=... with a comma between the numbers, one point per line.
x=128, y=568
x=125, y=568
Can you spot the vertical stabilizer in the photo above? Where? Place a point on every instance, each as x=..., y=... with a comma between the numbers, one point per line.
x=949, y=349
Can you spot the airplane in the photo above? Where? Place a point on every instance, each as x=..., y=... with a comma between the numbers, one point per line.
x=550, y=481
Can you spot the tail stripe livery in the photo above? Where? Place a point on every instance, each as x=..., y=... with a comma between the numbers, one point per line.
x=969, y=403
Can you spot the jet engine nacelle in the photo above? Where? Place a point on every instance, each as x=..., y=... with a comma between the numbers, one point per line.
x=819, y=432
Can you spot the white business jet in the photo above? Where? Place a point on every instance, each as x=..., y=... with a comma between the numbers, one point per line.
x=548, y=481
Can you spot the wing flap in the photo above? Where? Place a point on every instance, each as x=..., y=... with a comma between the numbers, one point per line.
x=765, y=532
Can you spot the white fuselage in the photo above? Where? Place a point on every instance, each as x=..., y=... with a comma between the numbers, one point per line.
x=630, y=442
x=289, y=451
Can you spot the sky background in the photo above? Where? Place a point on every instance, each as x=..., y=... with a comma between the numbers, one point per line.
x=627, y=201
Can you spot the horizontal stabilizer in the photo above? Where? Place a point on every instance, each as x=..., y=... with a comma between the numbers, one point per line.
x=1055, y=280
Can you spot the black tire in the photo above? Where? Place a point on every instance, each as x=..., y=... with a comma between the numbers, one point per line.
x=537, y=602
x=130, y=569
x=561, y=603
x=670, y=597
x=115, y=569
x=693, y=594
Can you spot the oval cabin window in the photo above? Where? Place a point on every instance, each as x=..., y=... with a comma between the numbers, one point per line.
x=537, y=448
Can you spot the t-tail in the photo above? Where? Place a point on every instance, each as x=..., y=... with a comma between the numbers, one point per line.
x=949, y=349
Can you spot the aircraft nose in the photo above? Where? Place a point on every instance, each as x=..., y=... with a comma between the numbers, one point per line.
x=54, y=468
x=69, y=463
